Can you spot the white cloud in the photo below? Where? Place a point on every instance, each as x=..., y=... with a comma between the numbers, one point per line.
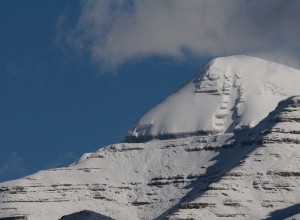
x=114, y=31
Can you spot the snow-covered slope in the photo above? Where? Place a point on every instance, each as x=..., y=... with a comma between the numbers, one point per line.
x=230, y=93
x=250, y=173
x=262, y=180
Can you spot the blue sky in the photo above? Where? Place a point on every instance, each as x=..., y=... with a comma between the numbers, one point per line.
x=75, y=75
x=55, y=105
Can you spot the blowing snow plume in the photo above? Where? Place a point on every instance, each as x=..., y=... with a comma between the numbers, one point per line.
x=115, y=31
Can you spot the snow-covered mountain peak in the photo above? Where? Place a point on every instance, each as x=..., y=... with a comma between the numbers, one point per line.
x=249, y=174
x=230, y=93
x=252, y=174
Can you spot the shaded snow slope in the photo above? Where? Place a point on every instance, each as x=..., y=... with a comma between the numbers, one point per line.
x=265, y=183
x=230, y=93
x=251, y=174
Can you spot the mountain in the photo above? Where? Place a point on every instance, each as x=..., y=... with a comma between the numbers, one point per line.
x=230, y=93
x=225, y=146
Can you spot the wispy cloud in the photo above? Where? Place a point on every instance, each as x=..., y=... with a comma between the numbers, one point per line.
x=62, y=160
x=115, y=31
x=13, y=164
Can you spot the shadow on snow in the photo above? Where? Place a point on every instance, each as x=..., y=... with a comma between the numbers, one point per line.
x=229, y=158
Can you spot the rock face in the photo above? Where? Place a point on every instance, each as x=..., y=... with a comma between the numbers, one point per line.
x=249, y=173
x=15, y=218
x=85, y=215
